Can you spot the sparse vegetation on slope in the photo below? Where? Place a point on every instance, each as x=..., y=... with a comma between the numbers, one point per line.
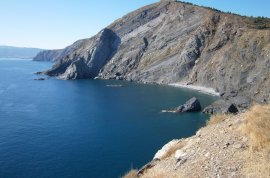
x=217, y=119
x=229, y=146
x=257, y=127
x=131, y=174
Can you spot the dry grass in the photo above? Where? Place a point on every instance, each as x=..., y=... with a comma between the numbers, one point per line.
x=173, y=149
x=157, y=174
x=257, y=166
x=131, y=174
x=257, y=127
x=217, y=119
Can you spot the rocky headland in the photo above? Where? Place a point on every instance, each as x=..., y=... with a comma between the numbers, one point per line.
x=174, y=42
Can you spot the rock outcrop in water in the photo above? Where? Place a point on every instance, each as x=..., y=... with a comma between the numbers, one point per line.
x=192, y=105
x=170, y=42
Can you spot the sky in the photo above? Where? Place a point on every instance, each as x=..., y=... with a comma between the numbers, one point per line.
x=55, y=24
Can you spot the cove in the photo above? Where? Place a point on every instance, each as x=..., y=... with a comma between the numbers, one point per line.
x=84, y=128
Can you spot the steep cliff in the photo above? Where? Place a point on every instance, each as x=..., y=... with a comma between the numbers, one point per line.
x=174, y=42
x=48, y=55
x=85, y=58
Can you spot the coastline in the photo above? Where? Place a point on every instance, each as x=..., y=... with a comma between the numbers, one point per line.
x=222, y=148
x=201, y=89
x=15, y=59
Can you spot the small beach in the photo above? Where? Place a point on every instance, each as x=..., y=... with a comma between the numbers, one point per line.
x=201, y=89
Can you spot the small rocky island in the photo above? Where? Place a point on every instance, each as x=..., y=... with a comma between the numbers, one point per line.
x=40, y=79
x=115, y=86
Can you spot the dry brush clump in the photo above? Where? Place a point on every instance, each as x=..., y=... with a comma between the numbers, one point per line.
x=257, y=127
x=131, y=174
x=257, y=165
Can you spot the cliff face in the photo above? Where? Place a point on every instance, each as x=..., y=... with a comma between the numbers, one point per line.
x=171, y=42
x=48, y=55
x=85, y=58
x=58, y=54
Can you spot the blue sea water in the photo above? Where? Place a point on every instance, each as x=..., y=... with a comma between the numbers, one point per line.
x=81, y=129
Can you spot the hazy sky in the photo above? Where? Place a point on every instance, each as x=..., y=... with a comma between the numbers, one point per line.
x=53, y=24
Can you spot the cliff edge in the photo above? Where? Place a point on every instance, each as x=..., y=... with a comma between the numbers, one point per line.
x=229, y=146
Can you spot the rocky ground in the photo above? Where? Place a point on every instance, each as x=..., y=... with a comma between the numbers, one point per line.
x=221, y=149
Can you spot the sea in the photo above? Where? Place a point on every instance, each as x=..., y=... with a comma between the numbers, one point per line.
x=85, y=128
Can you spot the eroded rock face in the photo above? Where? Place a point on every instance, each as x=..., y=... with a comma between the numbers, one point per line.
x=77, y=70
x=192, y=105
x=170, y=42
x=59, y=54
x=48, y=55
x=221, y=106
x=85, y=61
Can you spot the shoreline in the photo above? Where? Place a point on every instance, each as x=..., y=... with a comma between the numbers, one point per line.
x=15, y=59
x=201, y=89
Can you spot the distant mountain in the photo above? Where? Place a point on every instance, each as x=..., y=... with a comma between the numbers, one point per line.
x=17, y=52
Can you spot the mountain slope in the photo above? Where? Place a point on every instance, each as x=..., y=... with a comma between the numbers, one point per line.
x=17, y=52
x=174, y=42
